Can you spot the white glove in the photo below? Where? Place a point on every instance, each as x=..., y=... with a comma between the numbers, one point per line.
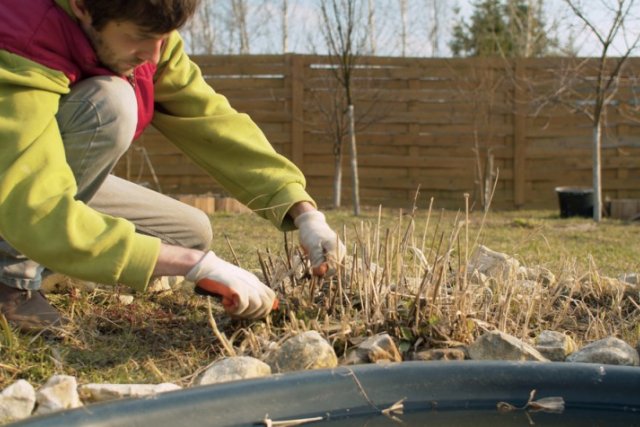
x=243, y=295
x=322, y=244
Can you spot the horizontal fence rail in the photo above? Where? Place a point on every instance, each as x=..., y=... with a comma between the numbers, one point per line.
x=444, y=126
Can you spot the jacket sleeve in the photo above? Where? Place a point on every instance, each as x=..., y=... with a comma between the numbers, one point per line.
x=225, y=143
x=39, y=215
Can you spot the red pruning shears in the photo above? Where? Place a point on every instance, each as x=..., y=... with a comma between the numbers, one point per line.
x=221, y=292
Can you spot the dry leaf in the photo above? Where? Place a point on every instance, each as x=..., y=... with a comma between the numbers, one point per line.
x=546, y=404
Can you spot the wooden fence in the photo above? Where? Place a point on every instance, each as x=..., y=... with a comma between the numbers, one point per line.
x=440, y=125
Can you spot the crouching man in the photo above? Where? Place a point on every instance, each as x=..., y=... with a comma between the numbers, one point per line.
x=79, y=81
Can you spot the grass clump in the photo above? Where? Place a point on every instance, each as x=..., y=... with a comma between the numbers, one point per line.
x=405, y=273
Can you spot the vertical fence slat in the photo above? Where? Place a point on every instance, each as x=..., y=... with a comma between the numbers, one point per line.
x=296, y=74
x=519, y=135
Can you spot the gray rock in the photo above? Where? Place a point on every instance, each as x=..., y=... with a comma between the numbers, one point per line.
x=540, y=274
x=234, y=368
x=158, y=285
x=439, y=354
x=496, y=345
x=610, y=351
x=58, y=393
x=493, y=264
x=104, y=392
x=125, y=299
x=631, y=278
x=375, y=349
x=305, y=351
x=555, y=346
x=17, y=401
x=633, y=284
x=613, y=287
x=57, y=282
x=477, y=278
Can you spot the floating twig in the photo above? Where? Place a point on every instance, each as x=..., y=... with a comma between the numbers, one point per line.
x=268, y=422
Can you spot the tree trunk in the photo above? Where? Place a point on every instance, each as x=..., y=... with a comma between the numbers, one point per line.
x=285, y=26
x=403, y=27
x=337, y=180
x=239, y=9
x=597, y=179
x=372, y=28
x=489, y=178
x=354, y=162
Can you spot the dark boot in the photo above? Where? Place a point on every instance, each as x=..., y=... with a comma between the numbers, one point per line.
x=29, y=311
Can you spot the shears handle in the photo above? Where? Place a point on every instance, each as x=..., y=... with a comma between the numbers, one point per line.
x=211, y=288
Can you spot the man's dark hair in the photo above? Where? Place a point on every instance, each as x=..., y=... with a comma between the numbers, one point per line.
x=155, y=16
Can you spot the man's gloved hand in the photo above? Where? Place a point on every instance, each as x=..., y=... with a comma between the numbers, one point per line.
x=322, y=244
x=243, y=295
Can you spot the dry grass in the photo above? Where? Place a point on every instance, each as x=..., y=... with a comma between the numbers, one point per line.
x=405, y=274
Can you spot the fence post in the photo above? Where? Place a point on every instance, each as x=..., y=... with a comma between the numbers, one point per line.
x=519, y=136
x=296, y=75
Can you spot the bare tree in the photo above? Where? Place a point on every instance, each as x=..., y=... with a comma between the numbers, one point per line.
x=403, y=26
x=527, y=30
x=607, y=75
x=437, y=11
x=345, y=36
x=239, y=24
x=285, y=26
x=202, y=31
x=372, y=28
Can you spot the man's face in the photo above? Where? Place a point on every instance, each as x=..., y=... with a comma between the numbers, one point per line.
x=122, y=46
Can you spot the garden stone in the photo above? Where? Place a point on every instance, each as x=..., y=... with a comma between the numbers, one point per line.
x=55, y=282
x=180, y=285
x=614, y=287
x=555, y=346
x=496, y=345
x=540, y=274
x=305, y=351
x=610, y=351
x=17, y=401
x=378, y=348
x=158, y=285
x=477, y=278
x=525, y=290
x=58, y=393
x=234, y=368
x=439, y=354
x=60, y=282
x=633, y=284
x=493, y=264
x=125, y=299
x=104, y=392
x=630, y=278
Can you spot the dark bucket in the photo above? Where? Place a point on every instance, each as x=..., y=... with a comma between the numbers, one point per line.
x=575, y=201
x=455, y=394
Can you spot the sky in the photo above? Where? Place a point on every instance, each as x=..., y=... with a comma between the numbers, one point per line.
x=305, y=35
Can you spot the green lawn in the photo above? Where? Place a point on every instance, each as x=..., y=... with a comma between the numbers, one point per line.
x=537, y=237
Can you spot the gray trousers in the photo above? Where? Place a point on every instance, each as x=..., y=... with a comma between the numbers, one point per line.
x=97, y=121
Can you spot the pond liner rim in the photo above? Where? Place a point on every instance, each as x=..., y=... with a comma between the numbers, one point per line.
x=366, y=390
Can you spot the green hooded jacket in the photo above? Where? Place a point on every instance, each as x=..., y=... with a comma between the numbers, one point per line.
x=38, y=213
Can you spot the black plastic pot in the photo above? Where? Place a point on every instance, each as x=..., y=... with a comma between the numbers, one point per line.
x=575, y=201
x=435, y=394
